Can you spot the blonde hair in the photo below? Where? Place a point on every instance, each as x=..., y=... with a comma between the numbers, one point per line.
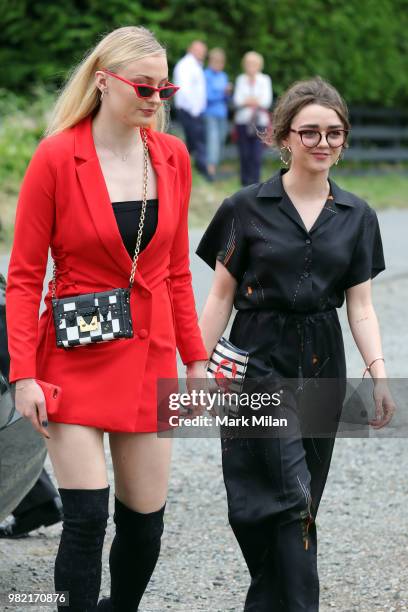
x=79, y=97
x=253, y=55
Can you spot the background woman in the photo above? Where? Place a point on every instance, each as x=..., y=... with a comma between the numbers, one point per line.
x=286, y=253
x=252, y=100
x=82, y=196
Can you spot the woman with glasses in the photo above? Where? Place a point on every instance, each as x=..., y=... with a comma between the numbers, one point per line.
x=287, y=253
x=104, y=182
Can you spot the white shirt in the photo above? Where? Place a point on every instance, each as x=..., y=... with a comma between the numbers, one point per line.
x=261, y=89
x=189, y=76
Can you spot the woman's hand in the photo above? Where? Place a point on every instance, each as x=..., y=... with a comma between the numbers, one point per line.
x=30, y=402
x=384, y=404
x=197, y=380
x=197, y=369
x=252, y=102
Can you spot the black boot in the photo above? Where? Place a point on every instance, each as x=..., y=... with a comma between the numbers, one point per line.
x=21, y=525
x=133, y=556
x=78, y=565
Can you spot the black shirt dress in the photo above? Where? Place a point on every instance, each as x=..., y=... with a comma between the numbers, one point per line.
x=290, y=283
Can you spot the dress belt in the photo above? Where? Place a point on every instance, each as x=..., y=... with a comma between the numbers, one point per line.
x=291, y=313
x=301, y=319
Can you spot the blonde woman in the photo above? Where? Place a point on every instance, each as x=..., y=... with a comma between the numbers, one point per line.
x=252, y=100
x=83, y=195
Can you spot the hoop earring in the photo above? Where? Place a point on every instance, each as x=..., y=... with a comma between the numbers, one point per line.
x=103, y=93
x=283, y=160
x=340, y=157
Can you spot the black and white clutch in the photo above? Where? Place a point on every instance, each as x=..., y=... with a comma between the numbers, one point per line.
x=92, y=317
x=228, y=365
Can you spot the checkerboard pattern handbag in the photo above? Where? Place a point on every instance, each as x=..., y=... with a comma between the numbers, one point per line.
x=105, y=315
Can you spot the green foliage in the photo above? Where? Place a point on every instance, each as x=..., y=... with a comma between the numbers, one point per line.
x=359, y=45
x=21, y=128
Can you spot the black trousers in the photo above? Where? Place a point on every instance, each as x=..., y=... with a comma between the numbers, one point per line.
x=250, y=149
x=195, y=134
x=275, y=480
x=43, y=491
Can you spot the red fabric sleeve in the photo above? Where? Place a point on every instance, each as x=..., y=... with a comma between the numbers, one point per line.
x=28, y=262
x=188, y=335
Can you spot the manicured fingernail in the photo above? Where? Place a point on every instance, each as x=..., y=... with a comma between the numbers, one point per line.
x=44, y=423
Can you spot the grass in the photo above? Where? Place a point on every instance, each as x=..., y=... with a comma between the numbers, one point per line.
x=382, y=191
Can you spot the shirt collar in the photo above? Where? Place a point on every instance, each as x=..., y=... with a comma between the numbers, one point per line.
x=273, y=188
x=194, y=59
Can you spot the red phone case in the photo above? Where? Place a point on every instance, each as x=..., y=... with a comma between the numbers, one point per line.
x=52, y=394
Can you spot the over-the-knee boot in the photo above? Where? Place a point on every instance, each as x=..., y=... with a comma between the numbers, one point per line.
x=78, y=565
x=133, y=556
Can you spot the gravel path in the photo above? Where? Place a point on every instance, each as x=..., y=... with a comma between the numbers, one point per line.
x=362, y=522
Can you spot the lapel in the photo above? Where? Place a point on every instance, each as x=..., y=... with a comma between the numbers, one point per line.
x=97, y=196
x=274, y=189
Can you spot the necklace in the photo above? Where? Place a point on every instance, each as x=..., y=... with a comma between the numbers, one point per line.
x=122, y=156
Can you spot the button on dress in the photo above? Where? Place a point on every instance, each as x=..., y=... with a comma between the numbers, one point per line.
x=290, y=282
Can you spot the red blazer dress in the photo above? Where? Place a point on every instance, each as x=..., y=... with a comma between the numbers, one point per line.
x=64, y=204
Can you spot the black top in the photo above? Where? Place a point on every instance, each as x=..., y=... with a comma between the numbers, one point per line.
x=128, y=217
x=258, y=234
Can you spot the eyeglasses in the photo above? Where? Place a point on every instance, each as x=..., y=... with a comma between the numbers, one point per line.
x=311, y=138
x=143, y=90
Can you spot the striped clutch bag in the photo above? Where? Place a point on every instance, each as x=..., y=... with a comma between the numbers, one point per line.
x=228, y=365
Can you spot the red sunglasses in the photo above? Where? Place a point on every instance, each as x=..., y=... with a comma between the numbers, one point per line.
x=143, y=90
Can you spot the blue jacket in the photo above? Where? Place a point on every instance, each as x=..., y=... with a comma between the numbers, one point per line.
x=216, y=97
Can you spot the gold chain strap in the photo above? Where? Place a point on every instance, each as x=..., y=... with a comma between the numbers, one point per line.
x=54, y=283
x=141, y=222
x=142, y=214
